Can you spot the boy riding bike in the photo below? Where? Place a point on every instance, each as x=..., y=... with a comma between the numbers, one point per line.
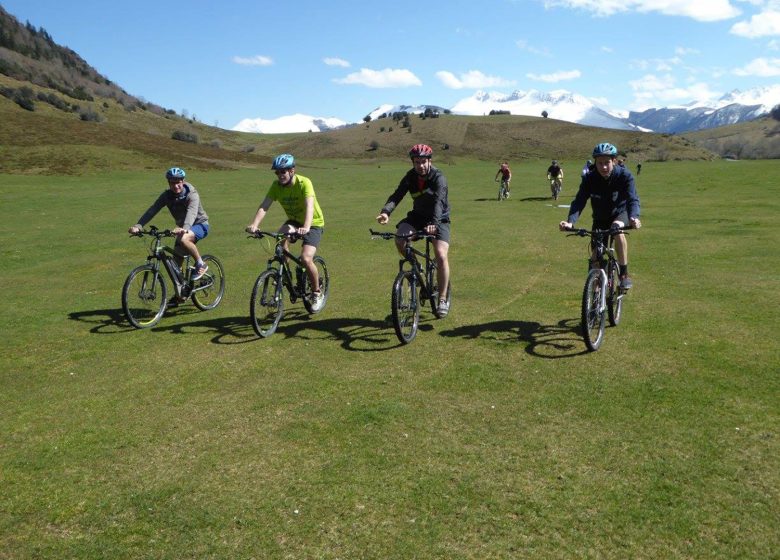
x=555, y=176
x=506, y=176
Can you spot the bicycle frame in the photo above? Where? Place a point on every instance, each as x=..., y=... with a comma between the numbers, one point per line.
x=411, y=254
x=282, y=256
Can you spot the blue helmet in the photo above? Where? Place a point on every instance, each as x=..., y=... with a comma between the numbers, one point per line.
x=284, y=161
x=604, y=149
x=175, y=173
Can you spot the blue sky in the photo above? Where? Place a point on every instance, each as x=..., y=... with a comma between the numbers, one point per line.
x=235, y=59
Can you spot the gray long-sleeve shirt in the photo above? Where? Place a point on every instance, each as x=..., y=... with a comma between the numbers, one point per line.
x=185, y=208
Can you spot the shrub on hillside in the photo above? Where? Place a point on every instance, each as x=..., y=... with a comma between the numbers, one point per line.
x=54, y=101
x=88, y=115
x=373, y=146
x=24, y=96
x=182, y=136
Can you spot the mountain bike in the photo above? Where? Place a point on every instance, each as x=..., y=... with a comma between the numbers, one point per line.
x=602, y=296
x=556, y=184
x=503, y=190
x=406, y=299
x=145, y=293
x=267, y=304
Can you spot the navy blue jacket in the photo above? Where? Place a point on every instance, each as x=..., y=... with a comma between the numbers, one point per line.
x=429, y=203
x=608, y=197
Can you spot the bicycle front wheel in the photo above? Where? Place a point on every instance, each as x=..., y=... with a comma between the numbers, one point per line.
x=267, y=305
x=208, y=290
x=614, y=296
x=144, y=297
x=405, y=307
x=592, y=317
x=322, y=271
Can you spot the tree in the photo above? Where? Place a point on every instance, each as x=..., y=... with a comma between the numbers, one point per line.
x=367, y=119
x=373, y=146
x=545, y=114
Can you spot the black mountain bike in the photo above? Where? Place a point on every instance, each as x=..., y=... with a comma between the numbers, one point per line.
x=602, y=296
x=413, y=285
x=556, y=184
x=145, y=293
x=267, y=304
x=503, y=190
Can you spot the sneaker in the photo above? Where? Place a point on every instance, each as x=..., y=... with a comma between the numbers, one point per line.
x=444, y=307
x=316, y=301
x=625, y=282
x=199, y=272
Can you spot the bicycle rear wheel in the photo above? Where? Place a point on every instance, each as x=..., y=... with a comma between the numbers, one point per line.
x=405, y=307
x=322, y=270
x=592, y=319
x=144, y=297
x=614, y=296
x=267, y=304
x=208, y=290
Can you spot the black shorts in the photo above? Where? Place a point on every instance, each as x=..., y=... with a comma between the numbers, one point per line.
x=606, y=224
x=312, y=237
x=443, y=233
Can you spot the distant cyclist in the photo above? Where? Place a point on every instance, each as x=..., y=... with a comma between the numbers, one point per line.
x=192, y=223
x=296, y=195
x=555, y=175
x=613, y=199
x=506, y=176
x=430, y=212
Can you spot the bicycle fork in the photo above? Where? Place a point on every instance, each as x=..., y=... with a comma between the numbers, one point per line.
x=603, y=295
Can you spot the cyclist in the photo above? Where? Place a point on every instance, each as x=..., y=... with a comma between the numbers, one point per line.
x=192, y=223
x=430, y=212
x=296, y=195
x=613, y=199
x=555, y=173
x=586, y=168
x=506, y=175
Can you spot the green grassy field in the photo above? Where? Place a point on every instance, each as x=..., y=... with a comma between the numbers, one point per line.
x=493, y=435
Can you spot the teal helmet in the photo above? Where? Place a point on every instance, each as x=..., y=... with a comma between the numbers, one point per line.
x=604, y=149
x=284, y=161
x=175, y=173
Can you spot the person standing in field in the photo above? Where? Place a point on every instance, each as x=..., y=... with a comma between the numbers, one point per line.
x=304, y=216
x=430, y=212
x=613, y=199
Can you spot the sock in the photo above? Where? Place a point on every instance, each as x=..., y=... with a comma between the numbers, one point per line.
x=623, y=269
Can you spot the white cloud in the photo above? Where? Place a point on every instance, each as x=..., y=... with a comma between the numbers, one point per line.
x=523, y=45
x=661, y=91
x=556, y=76
x=257, y=60
x=682, y=51
x=387, y=78
x=761, y=67
x=701, y=10
x=764, y=24
x=773, y=45
x=334, y=61
x=473, y=79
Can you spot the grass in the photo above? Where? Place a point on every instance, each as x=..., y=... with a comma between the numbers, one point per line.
x=493, y=435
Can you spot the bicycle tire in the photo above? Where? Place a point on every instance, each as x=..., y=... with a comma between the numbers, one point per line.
x=614, y=296
x=209, y=289
x=267, y=304
x=405, y=307
x=322, y=270
x=144, y=296
x=593, y=320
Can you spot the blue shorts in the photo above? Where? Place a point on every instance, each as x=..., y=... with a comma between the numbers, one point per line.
x=200, y=231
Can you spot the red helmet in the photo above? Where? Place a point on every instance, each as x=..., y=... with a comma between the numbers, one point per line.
x=421, y=150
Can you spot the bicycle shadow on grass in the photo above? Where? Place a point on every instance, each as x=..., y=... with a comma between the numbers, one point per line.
x=535, y=198
x=562, y=340
x=354, y=334
x=113, y=321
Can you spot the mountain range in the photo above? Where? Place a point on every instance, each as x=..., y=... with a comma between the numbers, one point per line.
x=732, y=108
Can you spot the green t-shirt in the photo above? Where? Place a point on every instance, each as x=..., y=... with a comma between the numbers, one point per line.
x=293, y=199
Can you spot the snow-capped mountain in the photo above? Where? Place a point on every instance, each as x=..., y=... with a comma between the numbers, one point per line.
x=388, y=110
x=291, y=123
x=559, y=104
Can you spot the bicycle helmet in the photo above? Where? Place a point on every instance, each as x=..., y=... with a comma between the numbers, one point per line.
x=175, y=173
x=284, y=161
x=604, y=149
x=555, y=162
x=421, y=150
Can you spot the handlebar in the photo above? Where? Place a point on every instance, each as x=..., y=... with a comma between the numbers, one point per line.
x=158, y=233
x=293, y=236
x=582, y=232
x=419, y=234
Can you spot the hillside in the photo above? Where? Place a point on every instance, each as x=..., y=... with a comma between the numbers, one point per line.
x=60, y=116
x=756, y=139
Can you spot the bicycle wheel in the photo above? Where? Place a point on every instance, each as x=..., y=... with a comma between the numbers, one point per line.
x=501, y=193
x=614, y=296
x=267, y=305
x=144, y=297
x=592, y=319
x=405, y=308
x=208, y=291
x=322, y=270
